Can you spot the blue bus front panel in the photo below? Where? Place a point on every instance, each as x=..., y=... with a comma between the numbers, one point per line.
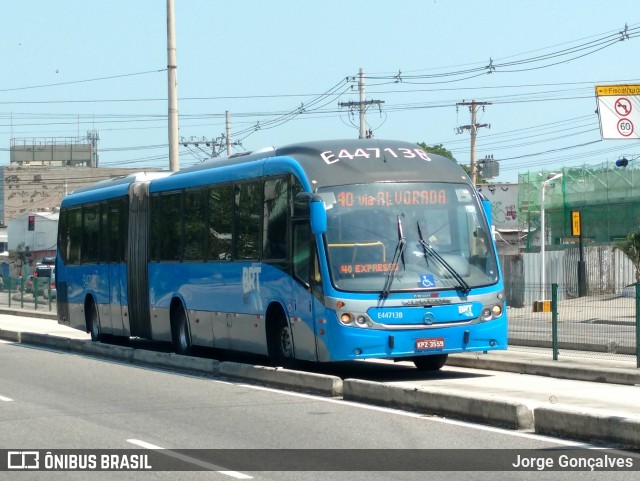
x=404, y=332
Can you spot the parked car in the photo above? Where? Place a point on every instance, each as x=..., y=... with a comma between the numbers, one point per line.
x=44, y=270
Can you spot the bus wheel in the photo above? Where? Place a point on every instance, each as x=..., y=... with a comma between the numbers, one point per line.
x=430, y=363
x=281, y=345
x=182, y=338
x=285, y=341
x=94, y=322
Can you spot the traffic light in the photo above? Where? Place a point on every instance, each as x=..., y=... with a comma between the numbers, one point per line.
x=32, y=222
x=623, y=162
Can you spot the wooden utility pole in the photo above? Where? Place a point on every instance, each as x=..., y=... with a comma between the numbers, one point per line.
x=473, y=129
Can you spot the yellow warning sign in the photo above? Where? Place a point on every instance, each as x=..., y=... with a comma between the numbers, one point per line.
x=575, y=222
x=603, y=90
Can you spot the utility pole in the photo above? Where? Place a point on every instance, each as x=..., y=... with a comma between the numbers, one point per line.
x=93, y=136
x=473, y=128
x=172, y=83
x=197, y=142
x=362, y=106
x=228, y=131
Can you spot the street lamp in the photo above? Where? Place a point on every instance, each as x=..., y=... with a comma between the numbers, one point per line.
x=550, y=177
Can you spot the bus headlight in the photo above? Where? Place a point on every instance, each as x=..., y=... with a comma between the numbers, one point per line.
x=346, y=318
x=492, y=312
x=361, y=320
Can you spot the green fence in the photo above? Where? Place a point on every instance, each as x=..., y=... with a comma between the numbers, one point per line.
x=602, y=325
x=29, y=293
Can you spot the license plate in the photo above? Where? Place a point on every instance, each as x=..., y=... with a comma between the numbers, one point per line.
x=430, y=343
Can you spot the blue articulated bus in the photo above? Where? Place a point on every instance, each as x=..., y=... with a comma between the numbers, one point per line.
x=319, y=251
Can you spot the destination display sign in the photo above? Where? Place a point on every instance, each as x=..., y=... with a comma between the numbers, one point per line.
x=400, y=197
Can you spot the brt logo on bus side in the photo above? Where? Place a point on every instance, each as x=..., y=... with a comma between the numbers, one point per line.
x=251, y=286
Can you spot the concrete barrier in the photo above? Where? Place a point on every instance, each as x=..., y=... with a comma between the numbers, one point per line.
x=590, y=426
x=97, y=349
x=12, y=336
x=281, y=377
x=175, y=361
x=48, y=340
x=511, y=414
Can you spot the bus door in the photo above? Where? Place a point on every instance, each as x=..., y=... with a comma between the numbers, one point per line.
x=302, y=307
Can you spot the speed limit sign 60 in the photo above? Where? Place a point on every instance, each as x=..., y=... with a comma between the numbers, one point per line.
x=625, y=127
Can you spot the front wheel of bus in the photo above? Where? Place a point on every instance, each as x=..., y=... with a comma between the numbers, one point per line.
x=430, y=363
x=281, y=344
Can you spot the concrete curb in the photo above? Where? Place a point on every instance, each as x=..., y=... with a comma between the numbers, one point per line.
x=47, y=340
x=565, y=370
x=11, y=336
x=170, y=360
x=509, y=414
x=588, y=425
x=278, y=376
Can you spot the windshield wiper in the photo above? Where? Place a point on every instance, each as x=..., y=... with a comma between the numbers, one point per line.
x=397, y=255
x=430, y=251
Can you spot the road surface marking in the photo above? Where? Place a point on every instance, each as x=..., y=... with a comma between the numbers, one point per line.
x=189, y=459
x=2, y=398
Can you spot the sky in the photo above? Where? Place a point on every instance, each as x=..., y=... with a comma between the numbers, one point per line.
x=281, y=68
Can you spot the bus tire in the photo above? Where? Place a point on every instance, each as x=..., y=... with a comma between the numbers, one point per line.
x=182, y=334
x=280, y=345
x=93, y=321
x=430, y=363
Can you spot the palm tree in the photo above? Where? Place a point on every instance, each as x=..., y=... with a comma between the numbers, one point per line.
x=631, y=248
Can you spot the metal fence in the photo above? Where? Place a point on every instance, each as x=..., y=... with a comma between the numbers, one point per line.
x=550, y=317
x=29, y=293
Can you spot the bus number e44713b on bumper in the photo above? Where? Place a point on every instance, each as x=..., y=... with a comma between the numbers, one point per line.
x=430, y=343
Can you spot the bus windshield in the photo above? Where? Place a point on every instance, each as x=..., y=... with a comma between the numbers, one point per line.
x=387, y=237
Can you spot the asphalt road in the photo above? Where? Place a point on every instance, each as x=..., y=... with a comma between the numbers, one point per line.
x=57, y=400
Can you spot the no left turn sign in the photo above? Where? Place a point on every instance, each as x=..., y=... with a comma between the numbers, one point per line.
x=623, y=107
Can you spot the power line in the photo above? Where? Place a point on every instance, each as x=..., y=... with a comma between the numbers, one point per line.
x=71, y=82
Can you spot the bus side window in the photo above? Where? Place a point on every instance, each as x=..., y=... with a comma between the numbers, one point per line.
x=301, y=251
x=276, y=215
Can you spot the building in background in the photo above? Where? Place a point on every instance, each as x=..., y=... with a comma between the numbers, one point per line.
x=607, y=198
x=508, y=230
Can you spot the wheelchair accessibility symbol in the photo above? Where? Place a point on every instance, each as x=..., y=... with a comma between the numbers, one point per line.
x=427, y=280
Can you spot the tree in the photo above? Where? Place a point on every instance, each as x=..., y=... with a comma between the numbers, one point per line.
x=437, y=149
x=631, y=248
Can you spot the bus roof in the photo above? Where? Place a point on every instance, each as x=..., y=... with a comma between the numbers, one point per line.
x=109, y=188
x=350, y=161
x=318, y=164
